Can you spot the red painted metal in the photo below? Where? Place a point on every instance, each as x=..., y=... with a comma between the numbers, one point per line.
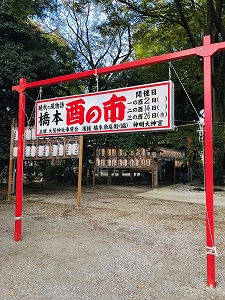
x=208, y=151
x=19, y=167
x=200, y=51
x=206, y=51
x=112, y=69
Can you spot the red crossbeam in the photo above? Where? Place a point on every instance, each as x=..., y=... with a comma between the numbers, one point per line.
x=200, y=51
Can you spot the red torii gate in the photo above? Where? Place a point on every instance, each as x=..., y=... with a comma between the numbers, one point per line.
x=206, y=51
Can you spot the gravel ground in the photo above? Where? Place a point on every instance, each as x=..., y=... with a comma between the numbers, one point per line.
x=117, y=246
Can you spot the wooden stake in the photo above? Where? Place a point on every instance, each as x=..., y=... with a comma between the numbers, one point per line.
x=11, y=161
x=81, y=142
x=153, y=177
x=174, y=172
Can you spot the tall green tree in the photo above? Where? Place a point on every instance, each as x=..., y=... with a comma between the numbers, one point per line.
x=27, y=8
x=177, y=25
x=98, y=35
x=26, y=51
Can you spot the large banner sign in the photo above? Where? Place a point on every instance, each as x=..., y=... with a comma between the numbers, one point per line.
x=138, y=108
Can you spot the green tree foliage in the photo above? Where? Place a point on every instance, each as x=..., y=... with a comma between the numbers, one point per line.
x=169, y=26
x=26, y=51
x=187, y=74
x=54, y=173
x=98, y=35
x=149, y=40
x=125, y=141
x=24, y=8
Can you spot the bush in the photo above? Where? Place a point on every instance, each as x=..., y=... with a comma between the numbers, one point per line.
x=54, y=173
x=40, y=167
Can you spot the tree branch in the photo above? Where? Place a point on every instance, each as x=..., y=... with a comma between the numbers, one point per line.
x=215, y=17
x=185, y=23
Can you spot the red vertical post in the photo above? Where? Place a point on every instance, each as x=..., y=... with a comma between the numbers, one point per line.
x=208, y=149
x=19, y=166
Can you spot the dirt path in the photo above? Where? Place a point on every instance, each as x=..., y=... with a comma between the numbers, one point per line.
x=114, y=247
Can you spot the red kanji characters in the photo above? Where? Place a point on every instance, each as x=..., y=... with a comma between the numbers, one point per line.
x=93, y=114
x=75, y=112
x=114, y=109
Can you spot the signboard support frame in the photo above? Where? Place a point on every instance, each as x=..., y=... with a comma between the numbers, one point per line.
x=206, y=52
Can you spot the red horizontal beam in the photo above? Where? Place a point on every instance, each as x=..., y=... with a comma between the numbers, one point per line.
x=200, y=51
x=112, y=69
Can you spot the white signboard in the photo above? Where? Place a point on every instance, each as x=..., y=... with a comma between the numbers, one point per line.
x=138, y=108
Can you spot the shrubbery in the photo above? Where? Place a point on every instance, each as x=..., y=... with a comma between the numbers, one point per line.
x=54, y=173
x=65, y=172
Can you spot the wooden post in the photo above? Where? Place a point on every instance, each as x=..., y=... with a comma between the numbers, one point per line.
x=109, y=177
x=14, y=178
x=153, y=176
x=81, y=141
x=93, y=176
x=190, y=160
x=11, y=161
x=94, y=166
x=156, y=173
x=174, y=171
x=131, y=175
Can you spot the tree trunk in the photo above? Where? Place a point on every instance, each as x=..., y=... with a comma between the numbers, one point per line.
x=218, y=116
x=218, y=146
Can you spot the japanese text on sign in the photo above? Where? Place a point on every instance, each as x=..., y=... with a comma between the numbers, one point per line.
x=139, y=108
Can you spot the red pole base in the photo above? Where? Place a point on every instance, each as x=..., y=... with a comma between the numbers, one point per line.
x=18, y=230
x=211, y=282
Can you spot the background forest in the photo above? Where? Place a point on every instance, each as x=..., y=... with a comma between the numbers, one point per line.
x=47, y=38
